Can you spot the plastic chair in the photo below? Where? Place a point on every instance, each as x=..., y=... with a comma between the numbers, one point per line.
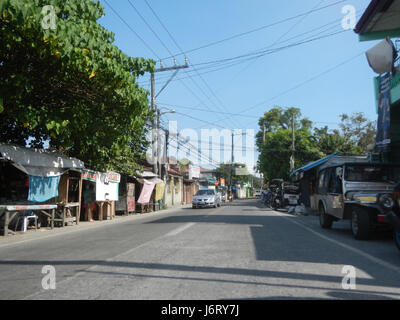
x=25, y=220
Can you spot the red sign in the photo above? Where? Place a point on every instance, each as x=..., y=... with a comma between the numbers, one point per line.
x=89, y=175
x=114, y=177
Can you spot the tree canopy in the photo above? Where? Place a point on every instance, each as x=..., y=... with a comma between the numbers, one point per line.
x=65, y=83
x=239, y=172
x=354, y=136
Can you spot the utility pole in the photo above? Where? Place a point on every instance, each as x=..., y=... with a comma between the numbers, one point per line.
x=166, y=167
x=263, y=140
x=293, y=146
x=159, y=171
x=153, y=133
x=231, y=171
x=156, y=135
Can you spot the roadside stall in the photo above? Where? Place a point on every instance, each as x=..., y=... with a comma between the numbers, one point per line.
x=147, y=191
x=126, y=195
x=107, y=184
x=69, y=197
x=29, y=186
x=144, y=201
x=100, y=192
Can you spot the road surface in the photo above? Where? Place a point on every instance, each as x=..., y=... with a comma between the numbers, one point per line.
x=239, y=251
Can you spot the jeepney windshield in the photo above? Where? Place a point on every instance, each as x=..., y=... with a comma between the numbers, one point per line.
x=372, y=173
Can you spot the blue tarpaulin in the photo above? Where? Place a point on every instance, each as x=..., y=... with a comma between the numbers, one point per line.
x=42, y=189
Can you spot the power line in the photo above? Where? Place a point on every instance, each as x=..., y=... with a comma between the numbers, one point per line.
x=304, y=82
x=229, y=62
x=193, y=149
x=131, y=29
x=229, y=113
x=177, y=45
x=148, y=25
x=257, y=29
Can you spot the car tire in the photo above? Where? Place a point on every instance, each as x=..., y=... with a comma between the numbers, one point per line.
x=325, y=220
x=361, y=224
x=397, y=239
x=194, y=207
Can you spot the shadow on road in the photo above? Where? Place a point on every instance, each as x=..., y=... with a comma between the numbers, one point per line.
x=262, y=274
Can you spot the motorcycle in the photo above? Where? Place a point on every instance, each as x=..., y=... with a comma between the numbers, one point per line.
x=276, y=201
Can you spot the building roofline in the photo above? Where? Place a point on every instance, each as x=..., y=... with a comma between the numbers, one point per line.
x=373, y=8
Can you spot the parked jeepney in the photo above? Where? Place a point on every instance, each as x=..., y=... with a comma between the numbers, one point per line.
x=359, y=192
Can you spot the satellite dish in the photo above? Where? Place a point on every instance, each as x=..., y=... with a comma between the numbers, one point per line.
x=381, y=57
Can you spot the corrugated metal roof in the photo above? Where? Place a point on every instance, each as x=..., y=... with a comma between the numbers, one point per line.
x=313, y=164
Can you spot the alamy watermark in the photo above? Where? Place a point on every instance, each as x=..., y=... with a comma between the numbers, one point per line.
x=49, y=280
x=349, y=280
x=49, y=19
x=350, y=18
x=203, y=147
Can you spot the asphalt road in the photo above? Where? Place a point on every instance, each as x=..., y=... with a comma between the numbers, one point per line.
x=238, y=251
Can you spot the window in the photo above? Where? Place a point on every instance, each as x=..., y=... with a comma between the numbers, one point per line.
x=360, y=173
x=321, y=182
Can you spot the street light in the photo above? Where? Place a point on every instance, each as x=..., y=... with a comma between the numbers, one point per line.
x=169, y=111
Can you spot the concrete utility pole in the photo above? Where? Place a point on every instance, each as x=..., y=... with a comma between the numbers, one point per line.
x=293, y=146
x=156, y=135
x=231, y=171
x=263, y=133
x=153, y=133
x=158, y=162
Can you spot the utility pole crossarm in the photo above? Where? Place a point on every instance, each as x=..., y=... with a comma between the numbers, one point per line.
x=171, y=68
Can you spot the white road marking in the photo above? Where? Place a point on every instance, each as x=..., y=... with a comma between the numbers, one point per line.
x=180, y=229
x=357, y=251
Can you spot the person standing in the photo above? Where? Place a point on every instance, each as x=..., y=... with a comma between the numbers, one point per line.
x=89, y=202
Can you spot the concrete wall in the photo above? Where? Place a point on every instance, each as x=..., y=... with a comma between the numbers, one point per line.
x=174, y=191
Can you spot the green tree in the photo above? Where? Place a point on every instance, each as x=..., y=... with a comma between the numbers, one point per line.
x=358, y=129
x=184, y=164
x=274, y=159
x=224, y=171
x=276, y=150
x=71, y=86
x=335, y=142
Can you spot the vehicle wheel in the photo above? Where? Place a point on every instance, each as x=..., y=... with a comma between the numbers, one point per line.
x=397, y=239
x=361, y=224
x=194, y=207
x=325, y=220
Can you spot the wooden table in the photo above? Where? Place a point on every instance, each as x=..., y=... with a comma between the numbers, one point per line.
x=64, y=208
x=10, y=211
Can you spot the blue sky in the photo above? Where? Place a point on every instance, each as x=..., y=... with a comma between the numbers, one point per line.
x=253, y=87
